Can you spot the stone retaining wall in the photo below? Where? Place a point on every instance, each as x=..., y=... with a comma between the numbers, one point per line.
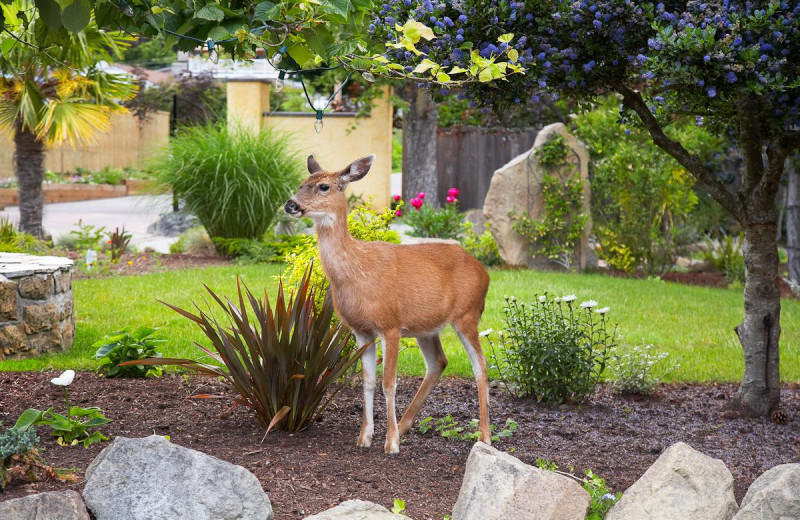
x=36, y=305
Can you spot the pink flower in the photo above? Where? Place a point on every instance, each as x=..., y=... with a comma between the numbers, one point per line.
x=417, y=203
x=397, y=198
x=421, y=195
x=451, y=199
x=453, y=192
x=399, y=212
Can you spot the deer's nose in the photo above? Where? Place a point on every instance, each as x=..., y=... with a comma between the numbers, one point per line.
x=291, y=207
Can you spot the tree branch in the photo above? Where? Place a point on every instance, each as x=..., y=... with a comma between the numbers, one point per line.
x=690, y=161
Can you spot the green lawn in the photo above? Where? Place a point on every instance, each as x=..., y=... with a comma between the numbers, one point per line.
x=694, y=324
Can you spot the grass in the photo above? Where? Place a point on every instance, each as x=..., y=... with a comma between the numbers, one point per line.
x=694, y=324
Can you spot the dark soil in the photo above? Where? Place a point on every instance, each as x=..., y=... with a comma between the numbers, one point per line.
x=617, y=437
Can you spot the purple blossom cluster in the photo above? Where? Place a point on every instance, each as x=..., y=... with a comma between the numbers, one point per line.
x=694, y=53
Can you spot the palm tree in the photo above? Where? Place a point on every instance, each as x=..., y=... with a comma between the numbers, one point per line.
x=53, y=94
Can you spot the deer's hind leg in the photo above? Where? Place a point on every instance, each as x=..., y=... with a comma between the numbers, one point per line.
x=467, y=330
x=435, y=363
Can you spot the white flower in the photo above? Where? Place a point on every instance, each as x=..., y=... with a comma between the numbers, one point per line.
x=603, y=310
x=542, y=298
x=485, y=332
x=569, y=298
x=588, y=304
x=64, y=379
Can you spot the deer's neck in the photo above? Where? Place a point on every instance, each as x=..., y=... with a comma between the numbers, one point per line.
x=338, y=250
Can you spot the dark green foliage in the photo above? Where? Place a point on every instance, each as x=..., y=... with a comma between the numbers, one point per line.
x=234, y=180
x=125, y=345
x=445, y=222
x=553, y=350
x=554, y=151
x=16, y=441
x=726, y=256
x=246, y=250
x=287, y=362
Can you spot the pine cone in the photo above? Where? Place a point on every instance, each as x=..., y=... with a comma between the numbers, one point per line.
x=779, y=417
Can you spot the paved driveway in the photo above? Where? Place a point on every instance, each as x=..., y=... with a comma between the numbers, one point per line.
x=134, y=213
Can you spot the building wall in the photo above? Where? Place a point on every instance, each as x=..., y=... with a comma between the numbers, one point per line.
x=127, y=144
x=342, y=140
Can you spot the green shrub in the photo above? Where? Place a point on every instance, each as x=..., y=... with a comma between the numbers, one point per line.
x=483, y=246
x=426, y=221
x=636, y=370
x=246, y=250
x=727, y=257
x=16, y=441
x=640, y=195
x=553, y=350
x=234, y=180
x=86, y=236
x=287, y=360
x=194, y=241
x=19, y=457
x=14, y=241
x=123, y=346
x=601, y=499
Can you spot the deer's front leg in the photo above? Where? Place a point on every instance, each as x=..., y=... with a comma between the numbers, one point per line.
x=391, y=345
x=368, y=366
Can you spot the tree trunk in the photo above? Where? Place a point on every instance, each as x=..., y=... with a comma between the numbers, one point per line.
x=29, y=165
x=420, y=121
x=759, y=392
x=793, y=221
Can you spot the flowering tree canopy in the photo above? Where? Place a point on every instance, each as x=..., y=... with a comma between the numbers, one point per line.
x=731, y=65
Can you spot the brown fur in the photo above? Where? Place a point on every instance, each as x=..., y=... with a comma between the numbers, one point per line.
x=391, y=290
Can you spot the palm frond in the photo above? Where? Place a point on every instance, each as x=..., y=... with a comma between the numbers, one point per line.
x=72, y=120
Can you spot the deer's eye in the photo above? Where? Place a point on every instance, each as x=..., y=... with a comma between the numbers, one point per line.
x=324, y=188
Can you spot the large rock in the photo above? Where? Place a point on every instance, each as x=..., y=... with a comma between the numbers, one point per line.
x=356, y=510
x=775, y=495
x=516, y=188
x=56, y=505
x=153, y=479
x=497, y=486
x=683, y=483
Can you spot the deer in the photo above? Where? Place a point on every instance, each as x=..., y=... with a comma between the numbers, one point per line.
x=388, y=291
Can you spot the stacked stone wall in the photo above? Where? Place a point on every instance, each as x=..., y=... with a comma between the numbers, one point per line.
x=36, y=305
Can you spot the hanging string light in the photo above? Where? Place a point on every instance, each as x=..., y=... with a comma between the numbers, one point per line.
x=279, y=82
x=212, y=51
x=318, y=123
x=127, y=9
x=278, y=57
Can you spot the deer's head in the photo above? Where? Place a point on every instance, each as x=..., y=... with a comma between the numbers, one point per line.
x=321, y=196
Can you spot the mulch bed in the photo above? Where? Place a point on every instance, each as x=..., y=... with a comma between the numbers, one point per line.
x=143, y=263
x=617, y=437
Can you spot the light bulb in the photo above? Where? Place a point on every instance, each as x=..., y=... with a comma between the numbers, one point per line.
x=368, y=76
x=318, y=123
x=279, y=81
x=127, y=9
x=276, y=59
x=212, y=52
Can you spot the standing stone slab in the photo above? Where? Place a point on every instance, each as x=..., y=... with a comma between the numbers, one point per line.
x=56, y=505
x=36, y=306
x=517, y=188
x=357, y=510
x=497, y=486
x=775, y=495
x=683, y=483
x=153, y=479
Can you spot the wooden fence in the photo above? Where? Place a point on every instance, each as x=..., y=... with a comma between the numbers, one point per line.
x=467, y=157
x=127, y=144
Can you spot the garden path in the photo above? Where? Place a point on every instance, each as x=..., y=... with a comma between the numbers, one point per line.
x=135, y=213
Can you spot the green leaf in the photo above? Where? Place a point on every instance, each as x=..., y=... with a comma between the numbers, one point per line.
x=77, y=15
x=399, y=506
x=425, y=65
x=263, y=11
x=6, y=45
x=28, y=418
x=485, y=75
x=337, y=7
x=50, y=12
x=442, y=77
x=210, y=12
x=216, y=33
x=513, y=55
x=505, y=38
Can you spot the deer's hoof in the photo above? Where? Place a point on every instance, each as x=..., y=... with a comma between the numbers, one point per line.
x=404, y=427
x=364, y=441
x=392, y=447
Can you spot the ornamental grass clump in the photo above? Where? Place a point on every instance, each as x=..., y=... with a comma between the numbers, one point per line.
x=286, y=361
x=234, y=180
x=552, y=349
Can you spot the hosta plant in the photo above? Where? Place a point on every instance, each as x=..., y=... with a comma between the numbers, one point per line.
x=287, y=361
x=125, y=345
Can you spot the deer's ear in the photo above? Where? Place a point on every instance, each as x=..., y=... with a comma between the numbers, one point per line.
x=313, y=165
x=358, y=169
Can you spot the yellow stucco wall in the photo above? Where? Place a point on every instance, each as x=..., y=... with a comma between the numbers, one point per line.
x=127, y=144
x=342, y=140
